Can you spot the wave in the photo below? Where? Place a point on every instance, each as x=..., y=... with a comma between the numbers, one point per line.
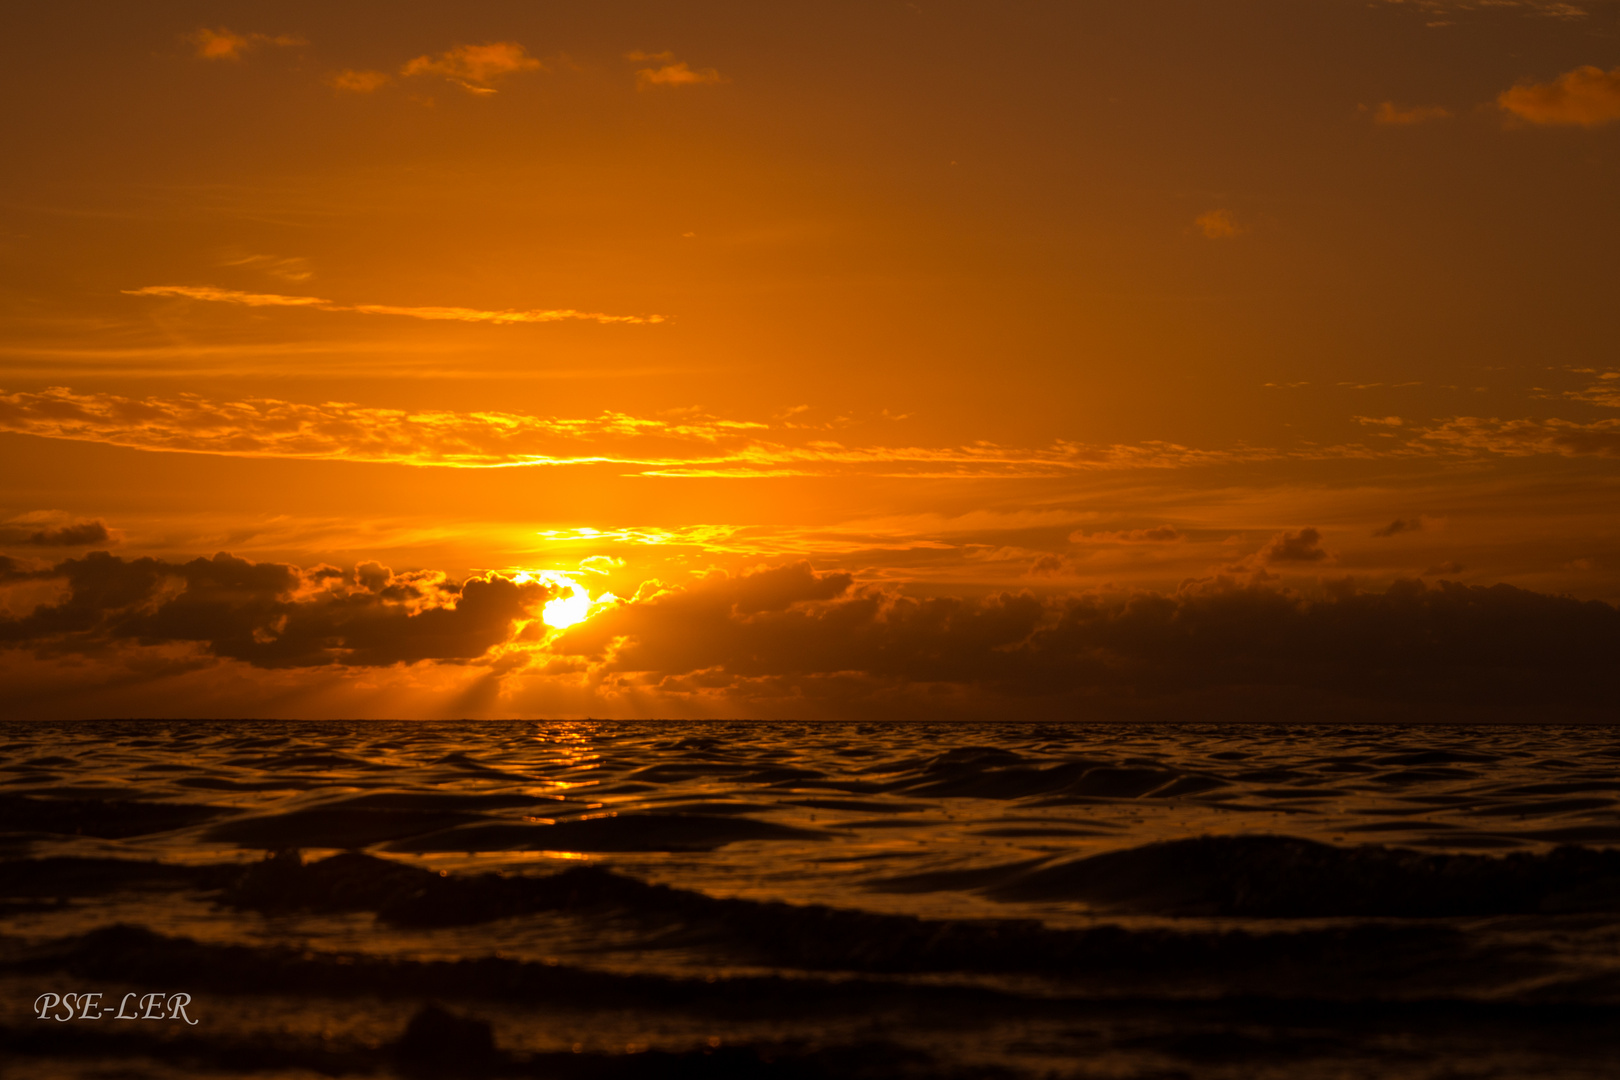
x=1281, y=876
x=110, y=819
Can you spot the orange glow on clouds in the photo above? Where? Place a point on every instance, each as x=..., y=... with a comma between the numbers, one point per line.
x=458, y=314
x=1021, y=322
x=574, y=606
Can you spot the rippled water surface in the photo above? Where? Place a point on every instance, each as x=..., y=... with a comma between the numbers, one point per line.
x=818, y=900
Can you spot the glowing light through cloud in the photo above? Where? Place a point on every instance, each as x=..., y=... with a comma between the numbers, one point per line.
x=574, y=606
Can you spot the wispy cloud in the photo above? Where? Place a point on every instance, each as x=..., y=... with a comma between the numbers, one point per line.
x=359, y=82
x=687, y=445
x=1160, y=534
x=290, y=268
x=457, y=314
x=223, y=44
x=1606, y=391
x=670, y=72
x=1217, y=224
x=684, y=446
x=1585, y=97
x=1391, y=114
x=1398, y=526
x=1552, y=9
x=1523, y=438
x=474, y=67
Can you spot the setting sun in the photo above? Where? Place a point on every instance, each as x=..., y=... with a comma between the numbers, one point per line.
x=573, y=606
x=568, y=610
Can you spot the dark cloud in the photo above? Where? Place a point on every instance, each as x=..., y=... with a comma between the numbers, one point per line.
x=1450, y=645
x=1302, y=546
x=79, y=534
x=12, y=570
x=1400, y=525
x=1160, y=534
x=83, y=534
x=792, y=640
x=1050, y=565
x=274, y=615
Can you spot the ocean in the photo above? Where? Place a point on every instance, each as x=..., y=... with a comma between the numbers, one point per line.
x=727, y=899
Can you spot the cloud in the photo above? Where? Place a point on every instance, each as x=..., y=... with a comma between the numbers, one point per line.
x=273, y=615
x=1605, y=392
x=1217, y=224
x=223, y=44
x=291, y=268
x=1522, y=438
x=681, y=446
x=1585, y=97
x=457, y=314
x=674, y=74
x=475, y=66
x=1050, y=565
x=1161, y=534
x=792, y=634
x=1302, y=546
x=78, y=534
x=691, y=445
x=1398, y=526
x=359, y=82
x=790, y=639
x=1553, y=9
x=1391, y=114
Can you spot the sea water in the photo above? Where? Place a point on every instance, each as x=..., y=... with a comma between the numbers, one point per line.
x=803, y=900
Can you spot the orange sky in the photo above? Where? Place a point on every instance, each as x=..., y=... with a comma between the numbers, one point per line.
x=959, y=304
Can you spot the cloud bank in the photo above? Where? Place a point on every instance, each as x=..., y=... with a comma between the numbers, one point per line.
x=791, y=632
x=686, y=446
x=789, y=639
x=272, y=615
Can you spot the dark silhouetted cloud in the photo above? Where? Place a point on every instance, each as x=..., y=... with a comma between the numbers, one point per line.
x=80, y=534
x=1159, y=534
x=823, y=637
x=1400, y=525
x=792, y=639
x=1302, y=546
x=275, y=615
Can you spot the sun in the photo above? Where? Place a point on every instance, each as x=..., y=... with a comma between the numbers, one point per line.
x=568, y=610
x=575, y=605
